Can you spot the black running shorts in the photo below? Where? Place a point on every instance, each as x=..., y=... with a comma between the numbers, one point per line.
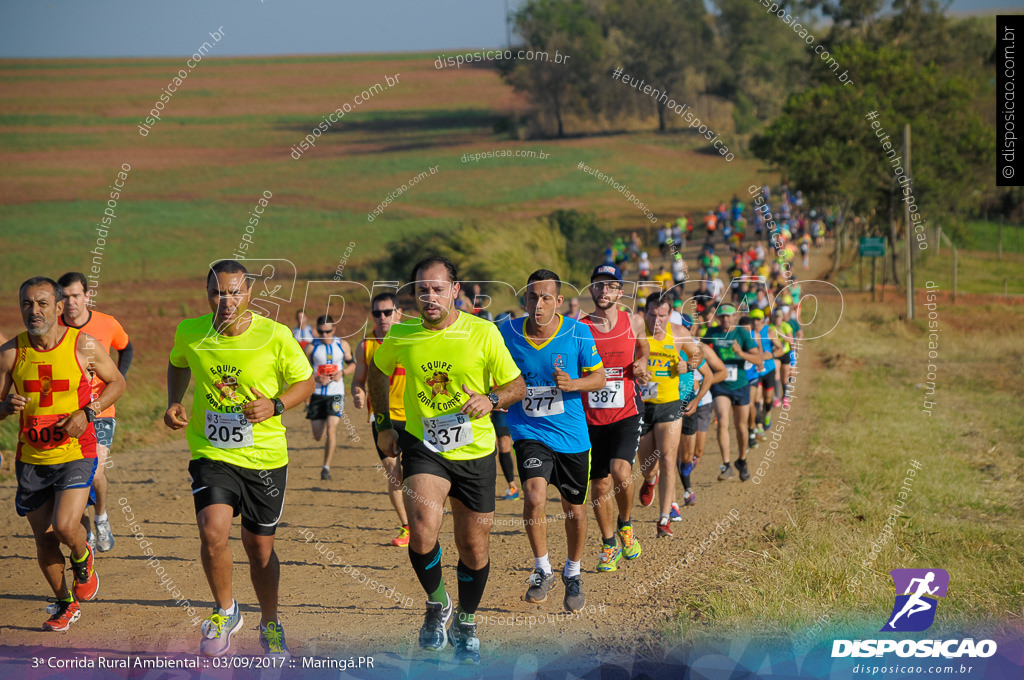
x=399, y=426
x=661, y=413
x=37, y=484
x=472, y=480
x=321, y=406
x=257, y=495
x=570, y=472
x=615, y=441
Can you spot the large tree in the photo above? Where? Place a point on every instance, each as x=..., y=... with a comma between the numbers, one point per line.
x=570, y=29
x=825, y=143
x=669, y=44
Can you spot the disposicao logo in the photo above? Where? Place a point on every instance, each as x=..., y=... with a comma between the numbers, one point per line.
x=912, y=612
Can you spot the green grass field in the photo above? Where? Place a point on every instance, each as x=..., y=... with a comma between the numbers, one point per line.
x=868, y=419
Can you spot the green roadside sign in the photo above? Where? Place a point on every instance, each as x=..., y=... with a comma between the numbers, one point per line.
x=872, y=246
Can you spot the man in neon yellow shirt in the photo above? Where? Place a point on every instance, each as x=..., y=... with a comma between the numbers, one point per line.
x=452, y=360
x=248, y=370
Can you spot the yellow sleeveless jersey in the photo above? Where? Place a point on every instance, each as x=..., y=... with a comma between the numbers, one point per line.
x=663, y=366
x=55, y=385
x=396, y=407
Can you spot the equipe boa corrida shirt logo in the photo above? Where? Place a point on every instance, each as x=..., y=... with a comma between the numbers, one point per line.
x=225, y=382
x=442, y=395
x=916, y=590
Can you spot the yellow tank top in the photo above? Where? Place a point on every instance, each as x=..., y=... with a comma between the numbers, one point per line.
x=55, y=385
x=663, y=367
x=396, y=394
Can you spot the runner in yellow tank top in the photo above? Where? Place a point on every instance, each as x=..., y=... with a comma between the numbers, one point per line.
x=662, y=408
x=386, y=312
x=45, y=378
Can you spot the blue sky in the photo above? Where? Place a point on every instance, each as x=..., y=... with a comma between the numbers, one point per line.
x=139, y=28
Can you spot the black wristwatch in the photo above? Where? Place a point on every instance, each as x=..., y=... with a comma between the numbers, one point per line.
x=494, y=400
x=90, y=415
x=278, y=406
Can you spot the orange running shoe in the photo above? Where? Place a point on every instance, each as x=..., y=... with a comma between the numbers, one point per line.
x=66, y=612
x=87, y=583
x=402, y=539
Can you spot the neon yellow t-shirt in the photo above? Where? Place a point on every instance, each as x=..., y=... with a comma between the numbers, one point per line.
x=267, y=357
x=437, y=363
x=663, y=367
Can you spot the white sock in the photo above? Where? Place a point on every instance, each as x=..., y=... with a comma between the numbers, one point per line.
x=326, y=467
x=542, y=563
x=229, y=612
x=663, y=520
x=101, y=518
x=571, y=568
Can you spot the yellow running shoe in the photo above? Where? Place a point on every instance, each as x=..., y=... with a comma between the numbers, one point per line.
x=610, y=556
x=630, y=546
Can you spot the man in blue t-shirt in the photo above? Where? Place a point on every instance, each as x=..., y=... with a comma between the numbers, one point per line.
x=559, y=360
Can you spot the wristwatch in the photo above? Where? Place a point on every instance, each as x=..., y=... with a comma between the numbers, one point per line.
x=278, y=406
x=90, y=415
x=493, y=399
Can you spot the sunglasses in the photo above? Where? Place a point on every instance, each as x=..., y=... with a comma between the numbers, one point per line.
x=377, y=313
x=324, y=331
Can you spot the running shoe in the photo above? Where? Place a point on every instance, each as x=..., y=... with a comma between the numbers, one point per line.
x=462, y=636
x=402, y=539
x=511, y=493
x=104, y=536
x=540, y=584
x=775, y=404
x=785, y=402
x=741, y=466
x=434, y=631
x=90, y=538
x=574, y=599
x=272, y=640
x=325, y=473
x=630, y=546
x=752, y=441
x=647, y=491
x=674, y=513
x=689, y=498
x=664, y=528
x=725, y=472
x=610, y=556
x=87, y=583
x=768, y=421
x=217, y=631
x=64, y=614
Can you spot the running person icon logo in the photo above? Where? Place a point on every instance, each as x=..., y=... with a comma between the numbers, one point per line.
x=915, y=605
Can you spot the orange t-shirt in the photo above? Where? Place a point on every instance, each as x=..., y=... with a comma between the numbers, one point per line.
x=109, y=332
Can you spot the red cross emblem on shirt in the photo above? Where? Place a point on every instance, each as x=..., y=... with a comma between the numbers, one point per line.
x=46, y=385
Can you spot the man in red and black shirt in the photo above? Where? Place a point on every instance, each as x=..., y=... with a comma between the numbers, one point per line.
x=614, y=413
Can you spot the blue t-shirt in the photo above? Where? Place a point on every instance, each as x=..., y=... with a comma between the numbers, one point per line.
x=687, y=386
x=766, y=345
x=547, y=414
